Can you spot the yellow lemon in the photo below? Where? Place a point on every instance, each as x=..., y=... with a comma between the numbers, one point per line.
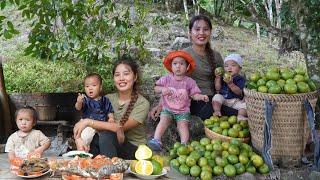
x=143, y=152
x=144, y=167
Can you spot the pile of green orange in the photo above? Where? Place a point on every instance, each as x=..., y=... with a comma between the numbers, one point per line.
x=281, y=81
x=228, y=126
x=146, y=163
x=207, y=158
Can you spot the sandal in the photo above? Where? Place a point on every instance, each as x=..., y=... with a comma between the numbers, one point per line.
x=155, y=145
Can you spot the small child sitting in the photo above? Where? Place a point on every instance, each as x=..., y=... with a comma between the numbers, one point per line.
x=230, y=89
x=176, y=90
x=26, y=142
x=94, y=106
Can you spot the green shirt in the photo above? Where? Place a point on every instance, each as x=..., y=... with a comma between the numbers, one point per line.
x=202, y=74
x=139, y=113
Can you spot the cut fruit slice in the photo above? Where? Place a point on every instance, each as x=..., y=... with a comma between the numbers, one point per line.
x=143, y=152
x=144, y=167
x=158, y=158
x=133, y=165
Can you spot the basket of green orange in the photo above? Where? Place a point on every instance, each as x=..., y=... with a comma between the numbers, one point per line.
x=287, y=89
x=226, y=128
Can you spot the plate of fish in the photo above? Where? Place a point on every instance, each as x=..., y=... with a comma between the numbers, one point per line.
x=32, y=168
x=99, y=167
x=33, y=175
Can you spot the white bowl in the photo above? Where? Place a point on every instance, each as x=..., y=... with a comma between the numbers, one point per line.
x=71, y=154
x=164, y=172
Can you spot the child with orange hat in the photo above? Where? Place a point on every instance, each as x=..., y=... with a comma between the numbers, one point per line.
x=176, y=90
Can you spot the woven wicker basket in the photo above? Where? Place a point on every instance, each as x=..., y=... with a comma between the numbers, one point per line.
x=289, y=130
x=46, y=113
x=212, y=135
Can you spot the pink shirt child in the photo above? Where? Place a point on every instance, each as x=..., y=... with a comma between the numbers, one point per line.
x=178, y=101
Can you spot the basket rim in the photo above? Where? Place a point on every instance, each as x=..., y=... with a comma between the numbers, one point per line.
x=246, y=90
x=207, y=130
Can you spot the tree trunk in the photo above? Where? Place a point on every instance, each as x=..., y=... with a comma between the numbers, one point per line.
x=312, y=61
x=258, y=32
x=185, y=5
x=268, y=7
x=167, y=5
x=4, y=106
x=196, y=7
x=278, y=11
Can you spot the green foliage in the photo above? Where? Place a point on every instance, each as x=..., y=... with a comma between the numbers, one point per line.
x=33, y=75
x=27, y=74
x=212, y=6
x=87, y=30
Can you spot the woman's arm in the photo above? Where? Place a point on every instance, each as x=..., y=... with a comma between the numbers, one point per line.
x=98, y=125
x=217, y=84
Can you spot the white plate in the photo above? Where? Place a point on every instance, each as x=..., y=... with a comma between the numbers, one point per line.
x=164, y=172
x=70, y=154
x=34, y=176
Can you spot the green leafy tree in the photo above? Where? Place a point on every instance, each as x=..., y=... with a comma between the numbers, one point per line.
x=94, y=31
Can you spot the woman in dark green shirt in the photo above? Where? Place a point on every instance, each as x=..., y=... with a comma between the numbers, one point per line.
x=207, y=59
x=131, y=109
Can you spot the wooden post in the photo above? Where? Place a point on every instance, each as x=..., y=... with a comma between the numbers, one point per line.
x=4, y=105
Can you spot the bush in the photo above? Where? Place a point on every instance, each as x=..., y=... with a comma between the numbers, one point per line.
x=26, y=74
x=32, y=75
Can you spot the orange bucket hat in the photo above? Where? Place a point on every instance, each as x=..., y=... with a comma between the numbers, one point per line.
x=168, y=60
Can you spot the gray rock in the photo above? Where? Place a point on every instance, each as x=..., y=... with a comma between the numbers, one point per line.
x=155, y=52
x=180, y=43
x=218, y=34
x=245, y=176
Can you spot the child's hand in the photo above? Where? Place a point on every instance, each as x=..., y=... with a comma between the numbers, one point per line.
x=200, y=97
x=205, y=98
x=111, y=120
x=80, y=98
x=166, y=91
x=35, y=154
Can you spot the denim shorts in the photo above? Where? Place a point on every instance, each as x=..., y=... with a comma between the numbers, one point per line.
x=175, y=116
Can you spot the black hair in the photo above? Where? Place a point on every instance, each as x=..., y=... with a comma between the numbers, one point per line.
x=208, y=48
x=94, y=75
x=127, y=60
x=30, y=108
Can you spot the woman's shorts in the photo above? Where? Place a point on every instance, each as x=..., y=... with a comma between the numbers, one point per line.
x=234, y=103
x=175, y=116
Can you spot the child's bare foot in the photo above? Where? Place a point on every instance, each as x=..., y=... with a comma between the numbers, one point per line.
x=217, y=113
x=241, y=118
x=120, y=135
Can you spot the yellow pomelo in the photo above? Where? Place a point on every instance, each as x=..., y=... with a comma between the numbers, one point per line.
x=133, y=165
x=143, y=152
x=158, y=158
x=144, y=167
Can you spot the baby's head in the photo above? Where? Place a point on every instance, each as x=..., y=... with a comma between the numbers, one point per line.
x=26, y=117
x=93, y=85
x=179, y=63
x=233, y=64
